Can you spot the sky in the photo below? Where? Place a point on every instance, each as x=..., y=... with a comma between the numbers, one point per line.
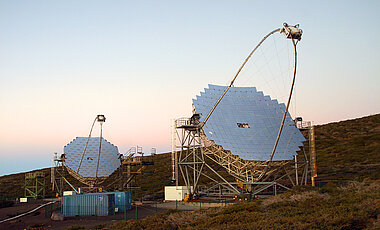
x=140, y=63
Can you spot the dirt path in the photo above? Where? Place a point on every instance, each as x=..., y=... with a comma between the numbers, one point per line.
x=38, y=218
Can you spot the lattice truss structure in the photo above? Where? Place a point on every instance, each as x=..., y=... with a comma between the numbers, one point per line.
x=239, y=136
x=35, y=185
x=92, y=163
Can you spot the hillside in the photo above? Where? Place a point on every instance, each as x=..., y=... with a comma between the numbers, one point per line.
x=12, y=186
x=356, y=206
x=346, y=150
x=349, y=149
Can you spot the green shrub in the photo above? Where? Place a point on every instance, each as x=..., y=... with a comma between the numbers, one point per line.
x=6, y=203
x=75, y=227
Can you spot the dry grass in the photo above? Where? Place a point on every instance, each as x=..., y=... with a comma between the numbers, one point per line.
x=295, y=198
x=356, y=206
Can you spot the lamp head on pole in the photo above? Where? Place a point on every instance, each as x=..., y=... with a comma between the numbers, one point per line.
x=291, y=32
x=101, y=118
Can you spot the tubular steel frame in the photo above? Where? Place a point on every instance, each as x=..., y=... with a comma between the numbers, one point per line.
x=191, y=160
x=194, y=149
x=252, y=176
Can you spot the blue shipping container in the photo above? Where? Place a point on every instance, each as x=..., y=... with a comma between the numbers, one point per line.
x=122, y=200
x=90, y=204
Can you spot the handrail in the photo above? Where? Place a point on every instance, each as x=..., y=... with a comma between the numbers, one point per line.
x=26, y=213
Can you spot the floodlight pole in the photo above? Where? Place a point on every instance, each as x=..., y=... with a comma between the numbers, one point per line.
x=287, y=104
x=101, y=120
x=85, y=147
x=288, y=32
x=100, y=148
x=313, y=156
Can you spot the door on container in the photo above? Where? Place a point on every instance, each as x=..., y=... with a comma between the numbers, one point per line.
x=111, y=203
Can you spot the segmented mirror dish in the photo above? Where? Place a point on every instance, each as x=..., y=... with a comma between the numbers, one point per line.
x=109, y=157
x=246, y=122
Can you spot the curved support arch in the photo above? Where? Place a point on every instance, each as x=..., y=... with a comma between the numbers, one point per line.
x=236, y=75
x=291, y=34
